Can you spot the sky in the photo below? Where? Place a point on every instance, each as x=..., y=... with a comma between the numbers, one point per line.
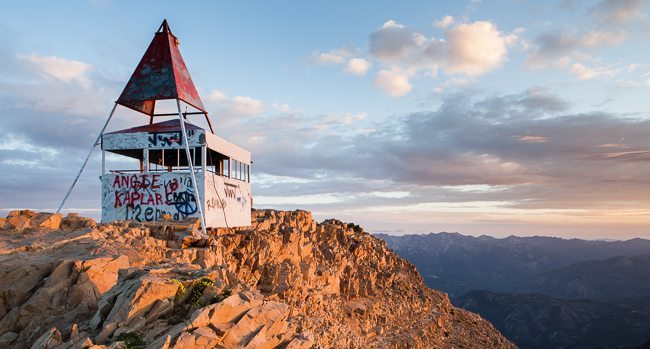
x=504, y=117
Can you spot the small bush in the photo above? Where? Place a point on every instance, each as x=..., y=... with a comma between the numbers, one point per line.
x=355, y=227
x=132, y=340
x=197, y=290
x=181, y=288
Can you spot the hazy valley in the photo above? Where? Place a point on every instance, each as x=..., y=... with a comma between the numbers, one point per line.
x=542, y=292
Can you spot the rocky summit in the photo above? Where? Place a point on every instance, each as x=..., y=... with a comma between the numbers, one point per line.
x=285, y=282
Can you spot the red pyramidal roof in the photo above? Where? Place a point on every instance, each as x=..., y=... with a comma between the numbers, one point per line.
x=161, y=74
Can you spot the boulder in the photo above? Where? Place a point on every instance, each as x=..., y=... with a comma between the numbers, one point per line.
x=20, y=219
x=7, y=338
x=48, y=220
x=48, y=340
x=73, y=221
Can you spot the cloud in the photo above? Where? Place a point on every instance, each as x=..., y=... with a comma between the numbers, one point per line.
x=475, y=48
x=327, y=57
x=635, y=155
x=16, y=143
x=583, y=72
x=569, y=51
x=59, y=68
x=618, y=11
x=554, y=44
x=474, y=157
x=216, y=96
x=532, y=139
x=444, y=22
x=602, y=38
x=344, y=55
x=236, y=106
x=468, y=49
x=22, y=163
x=357, y=66
x=336, y=56
x=329, y=121
x=527, y=144
x=52, y=96
x=394, y=42
x=394, y=81
x=521, y=162
x=245, y=106
x=283, y=107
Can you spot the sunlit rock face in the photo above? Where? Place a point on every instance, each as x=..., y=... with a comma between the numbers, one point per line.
x=286, y=281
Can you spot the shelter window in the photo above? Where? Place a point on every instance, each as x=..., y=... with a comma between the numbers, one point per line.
x=226, y=167
x=217, y=163
x=168, y=160
x=235, y=169
x=245, y=173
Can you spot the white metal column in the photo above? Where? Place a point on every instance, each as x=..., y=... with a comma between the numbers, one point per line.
x=145, y=159
x=204, y=157
x=197, y=196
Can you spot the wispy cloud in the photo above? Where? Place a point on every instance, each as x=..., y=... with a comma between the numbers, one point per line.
x=618, y=11
x=58, y=68
x=236, y=106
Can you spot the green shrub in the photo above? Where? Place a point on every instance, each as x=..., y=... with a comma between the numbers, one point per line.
x=197, y=290
x=355, y=227
x=132, y=340
x=181, y=288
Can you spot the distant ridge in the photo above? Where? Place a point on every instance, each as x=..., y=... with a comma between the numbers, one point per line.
x=457, y=263
x=542, y=292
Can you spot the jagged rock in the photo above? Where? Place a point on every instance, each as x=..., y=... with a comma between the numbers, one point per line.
x=73, y=221
x=23, y=219
x=48, y=220
x=303, y=341
x=261, y=327
x=19, y=220
x=134, y=303
x=48, y=340
x=7, y=338
x=287, y=281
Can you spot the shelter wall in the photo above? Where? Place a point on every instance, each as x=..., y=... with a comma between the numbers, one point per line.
x=152, y=140
x=148, y=196
x=228, y=202
x=224, y=147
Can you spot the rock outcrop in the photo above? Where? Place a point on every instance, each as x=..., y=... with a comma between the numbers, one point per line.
x=285, y=282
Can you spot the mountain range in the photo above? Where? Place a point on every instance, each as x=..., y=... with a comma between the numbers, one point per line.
x=542, y=292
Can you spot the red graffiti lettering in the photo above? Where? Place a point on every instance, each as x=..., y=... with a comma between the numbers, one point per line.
x=155, y=184
x=117, y=182
x=117, y=199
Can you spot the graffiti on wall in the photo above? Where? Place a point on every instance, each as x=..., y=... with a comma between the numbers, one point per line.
x=147, y=196
x=152, y=140
x=228, y=201
x=165, y=139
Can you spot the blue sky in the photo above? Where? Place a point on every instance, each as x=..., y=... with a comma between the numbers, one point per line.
x=483, y=117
